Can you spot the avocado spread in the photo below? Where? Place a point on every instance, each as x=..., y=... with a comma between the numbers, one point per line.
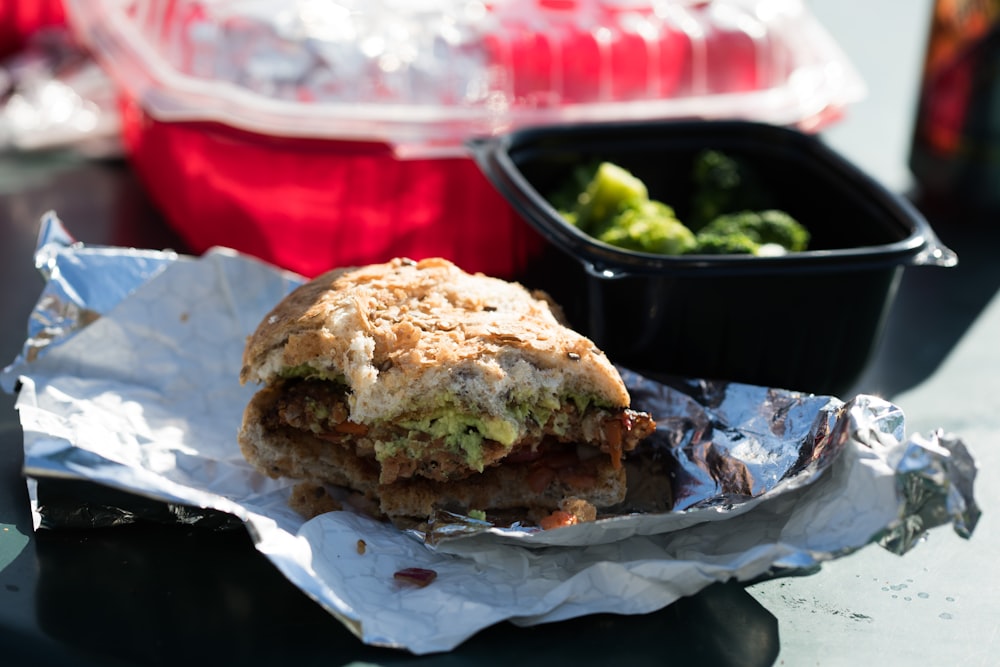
x=448, y=424
x=308, y=372
x=458, y=431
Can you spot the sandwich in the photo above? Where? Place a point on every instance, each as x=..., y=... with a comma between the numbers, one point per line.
x=423, y=388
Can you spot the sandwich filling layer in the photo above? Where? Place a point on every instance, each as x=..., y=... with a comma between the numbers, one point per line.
x=448, y=443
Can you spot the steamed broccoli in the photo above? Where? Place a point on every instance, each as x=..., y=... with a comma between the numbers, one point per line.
x=649, y=226
x=722, y=184
x=614, y=207
x=610, y=204
x=611, y=190
x=724, y=244
x=762, y=227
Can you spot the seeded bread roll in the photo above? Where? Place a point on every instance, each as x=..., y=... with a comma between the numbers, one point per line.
x=400, y=332
x=411, y=381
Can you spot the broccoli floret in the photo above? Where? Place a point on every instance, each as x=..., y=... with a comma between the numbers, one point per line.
x=611, y=190
x=649, y=226
x=724, y=244
x=612, y=205
x=722, y=184
x=762, y=227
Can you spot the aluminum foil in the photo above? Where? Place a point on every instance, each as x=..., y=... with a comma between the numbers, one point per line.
x=128, y=385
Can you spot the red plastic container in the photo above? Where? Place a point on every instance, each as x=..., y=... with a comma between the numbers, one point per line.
x=316, y=135
x=310, y=204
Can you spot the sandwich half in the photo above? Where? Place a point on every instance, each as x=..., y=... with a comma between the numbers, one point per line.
x=425, y=388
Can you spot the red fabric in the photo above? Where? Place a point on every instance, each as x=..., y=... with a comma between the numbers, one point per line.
x=19, y=19
x=311, y=205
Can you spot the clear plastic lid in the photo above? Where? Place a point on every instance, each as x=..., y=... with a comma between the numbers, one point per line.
x=424, y=75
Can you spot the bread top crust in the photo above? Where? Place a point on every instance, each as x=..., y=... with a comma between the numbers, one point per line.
x=403, y=334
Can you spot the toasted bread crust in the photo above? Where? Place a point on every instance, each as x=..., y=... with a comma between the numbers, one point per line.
x=403, y=333
x=286, y=452
x=502, y=488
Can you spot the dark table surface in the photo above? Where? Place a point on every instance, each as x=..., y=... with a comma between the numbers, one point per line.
x=163, y=594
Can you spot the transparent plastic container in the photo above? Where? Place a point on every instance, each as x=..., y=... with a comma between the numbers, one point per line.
x=309, y=91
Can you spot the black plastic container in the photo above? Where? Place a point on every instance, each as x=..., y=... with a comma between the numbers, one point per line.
x=807, y=321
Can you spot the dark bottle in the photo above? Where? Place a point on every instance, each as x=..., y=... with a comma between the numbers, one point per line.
x=955, y=152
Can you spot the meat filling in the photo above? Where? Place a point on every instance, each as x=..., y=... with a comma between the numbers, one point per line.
x=320, y=408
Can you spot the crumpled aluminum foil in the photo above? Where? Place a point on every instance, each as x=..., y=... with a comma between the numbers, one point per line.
x=128, y=382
